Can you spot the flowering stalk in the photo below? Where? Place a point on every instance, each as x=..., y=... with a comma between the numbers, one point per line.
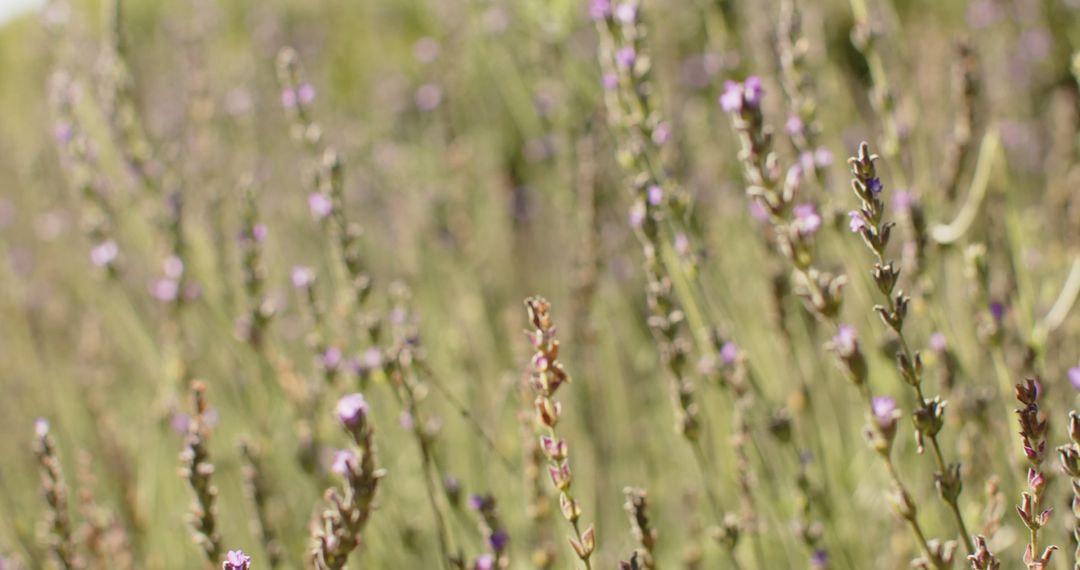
x=795, y=226
x=348, y=509
x=58, y=521
x=798, y=82
x=644, y=532
x=1070, y=463
x=101, y=536
x=198, y=471
x=492, y=528
x=260, y=309
x=257, y=490
x=1033, y=429
x=869, y=222
x=982, y=558
x=547, y=376
x=236, y=560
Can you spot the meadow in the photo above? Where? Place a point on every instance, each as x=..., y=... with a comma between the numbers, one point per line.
x=509, y=284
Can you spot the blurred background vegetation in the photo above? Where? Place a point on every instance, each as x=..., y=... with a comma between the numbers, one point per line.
x=481, y=168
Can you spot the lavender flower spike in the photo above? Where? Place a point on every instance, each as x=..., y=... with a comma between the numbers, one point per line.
x=236, y=560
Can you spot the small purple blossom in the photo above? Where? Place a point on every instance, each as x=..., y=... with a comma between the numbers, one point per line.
x=823, y=157
x=498, y=540
x=655, y=195
x=63, y=132
x=259, y=232
x=625, y=57
x=288, y=98
x=320, y=205
x=758, y=212
x=637, y=215
x=729, y=352
x=41, y=427
x=902, y=200
x=165, y=290
x=610, y=81
x=820, y=559
x=1074, y=377
x=794, y=125
x=681, y=244
x=305, y=94
x=997, y=310
x=732, y=99
x=477, y=502
x=599, y=9
x=874, y=186
x=884, y=410
x=407, y=421
x=236, y=560
x=662, y=133
x=807, y=221
x=937, y=342
x=484, y=562
x=856, y=222
x=331, y=358
x=352, y=409
x=845, y=341
x=753, y=92
x=174, y=267
x=104, y=253
x=428, y=97
x=626, y=13
x=344, y=462
x=302, y=277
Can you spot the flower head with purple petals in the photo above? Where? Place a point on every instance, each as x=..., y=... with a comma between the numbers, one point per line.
x=236, y=560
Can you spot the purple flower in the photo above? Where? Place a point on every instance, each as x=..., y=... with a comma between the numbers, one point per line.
x=174, y=267
x=823, y=157
x=352, y=409
x=41, y=427
x=997, y=310
x=302, y=277
x=845, y=340
x=937, y=342
x=331, y=358
x=820, y=559
x=626, y=57
x=732, y=99
x=610, y=81
x=637, y=215
x=180, y=423
x=902, y=200
x=477, y=502
x=344, y=462
x=407, y=421
x=884, y=410
x=484, y=562
x=236, y=560
x=753, y=92
x=373, y=358
x=104, y=254
x=165, y=290
x=807, y=221
x=758, y=212
x=857, y=222
x=63, y=132
x=682, y=244
x=288, y=98
x=259, y=232
x=305, y=94
x=498, y=540
x=626, y=13
x=794, y=125
x=599, y=9
x=874, y=186
x=662, y=133
x=729, y=352
x=655, y=194
x=1074, y=377
x=320, y=205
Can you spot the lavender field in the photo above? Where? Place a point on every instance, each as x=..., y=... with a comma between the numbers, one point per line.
x=524, y=284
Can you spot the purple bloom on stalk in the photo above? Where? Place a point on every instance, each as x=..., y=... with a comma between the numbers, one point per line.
x=63, y=132
x=599, y=9
x=845, y=340
x=331, y=358
x=305, y=94
x=407, y=421
x=41, y=427
x=884, y=409
x=682, y=244
x=610, y=81
x=753, y=92
x=236, y=560
x=498, y=540
x=165, y=290
x=1074, y=377
x=477, y=502
x=104, y=254
x=626, y=13
x=259, y=232
x=937, y=342
x=997, y=310
x=820, y=559
x=729, y=352
x=344, y=462
x=637, y=215
x=320, y=205
x=857, y=223
x=732, y=99
x=662, y=133
x=302, y=277
x=655, y=195
x=874, y=186
x=794, y=125
x=352, y=409
x=484, y=562
x=626, y=57
x=288, y=98
x=902, y=200
x=823, y=157
x=807, y=220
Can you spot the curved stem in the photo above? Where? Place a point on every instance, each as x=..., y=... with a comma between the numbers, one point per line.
x=950, y=233
x=1061, y=307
